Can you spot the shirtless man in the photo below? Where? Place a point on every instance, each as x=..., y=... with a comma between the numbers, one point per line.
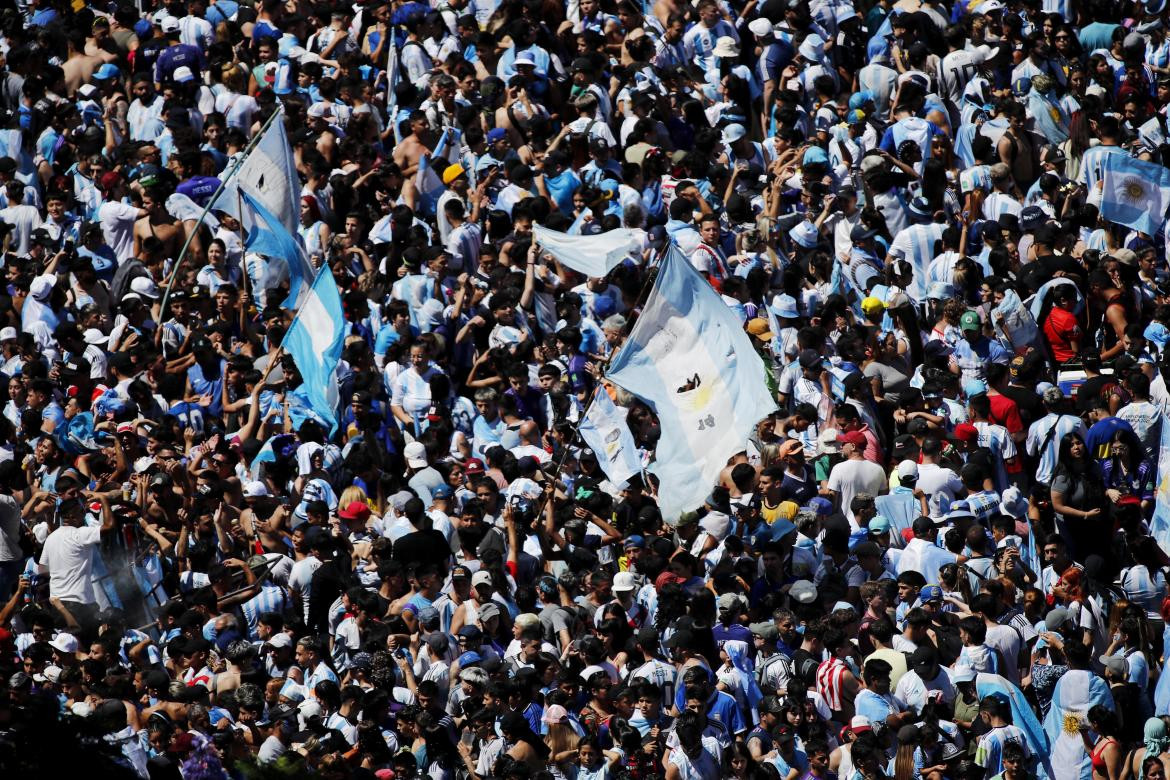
x=1015, y=148
x=79, y=67
x=420, y=142
x=160, y=224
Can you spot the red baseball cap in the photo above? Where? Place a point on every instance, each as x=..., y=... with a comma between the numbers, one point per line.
x=473, y=466
x=856, y=438
x=965, y=432
x=355, y=510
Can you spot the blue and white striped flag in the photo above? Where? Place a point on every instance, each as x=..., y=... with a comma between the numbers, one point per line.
x=594, y=256
x=1022, y=716
x=1136, y=193
x=269, y=174
x=1076, y=692
x=266, y=235
x=689, y=358
x=604, y=429
x=1160, y=522
x=315, y=341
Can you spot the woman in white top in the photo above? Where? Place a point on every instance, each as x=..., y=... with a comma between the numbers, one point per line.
x=237, y=107
x=313, y=231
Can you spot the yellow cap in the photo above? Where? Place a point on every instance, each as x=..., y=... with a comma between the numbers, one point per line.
x=452, y=173
x=872, y=305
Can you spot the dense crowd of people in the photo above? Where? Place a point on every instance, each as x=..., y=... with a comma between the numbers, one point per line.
x=940, y=224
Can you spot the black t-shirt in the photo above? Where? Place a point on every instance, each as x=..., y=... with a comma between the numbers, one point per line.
x=422, y=547
x=1030, y=406
x=1035, y=274
x=804, y=665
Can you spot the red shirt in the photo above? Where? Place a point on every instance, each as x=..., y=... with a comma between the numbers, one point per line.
x=1061, y=329
x=1006, y=412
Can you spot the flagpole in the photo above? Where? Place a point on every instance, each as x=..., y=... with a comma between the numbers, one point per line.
x=211, y=202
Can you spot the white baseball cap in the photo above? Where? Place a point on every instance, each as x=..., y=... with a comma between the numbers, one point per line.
x=94, y=336
x=42, y=287
x=761, y=28
x=907, y=469
x=183, y=74
x=416, y=455
x=8, y=334
x=170, y=24
x=255, y=489
x=144, y=285
x=623, y=582
x=64, y=643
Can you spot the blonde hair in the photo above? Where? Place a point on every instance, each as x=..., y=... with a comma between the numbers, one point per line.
x=561, y=738
x=351, y=494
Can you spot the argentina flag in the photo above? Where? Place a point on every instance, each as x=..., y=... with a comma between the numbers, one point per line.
x=689, y=358
x=269, y=175
x=604, y=429
x=594, y=256
x=1135, y=193
x=267, y=236
x=1160, y=522
x=315, y=341
x=1076, y=692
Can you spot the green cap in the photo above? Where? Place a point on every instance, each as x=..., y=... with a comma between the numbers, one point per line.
x=970, y=321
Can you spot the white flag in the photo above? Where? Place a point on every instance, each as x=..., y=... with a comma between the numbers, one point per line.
x=594, y=256
x=604, y=429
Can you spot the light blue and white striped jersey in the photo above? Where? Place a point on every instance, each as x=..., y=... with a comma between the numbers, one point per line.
x=271, y=598
x=989, y=753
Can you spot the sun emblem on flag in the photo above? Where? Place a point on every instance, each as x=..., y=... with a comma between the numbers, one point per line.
x=1071, y=723
x=1132, y=190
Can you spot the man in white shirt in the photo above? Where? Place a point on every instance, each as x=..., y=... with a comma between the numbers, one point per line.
x=923, y=555
x=940, y=484
x=855, y=474
x=117, y=218
x=301, y=576
x=68, y=553
x=925, y=680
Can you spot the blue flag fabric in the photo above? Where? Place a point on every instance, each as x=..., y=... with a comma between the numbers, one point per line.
x=604, y=429
x=1022, y=716
x=689, y=358
x=315, y=341
x=1135, y=193
x=1160, y=522
x=268, y=236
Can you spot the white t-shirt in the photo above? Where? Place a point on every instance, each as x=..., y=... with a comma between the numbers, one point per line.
x=940, y=485
x=68, y=558
x=117, y=220
x=300, y=577
x=850, y=477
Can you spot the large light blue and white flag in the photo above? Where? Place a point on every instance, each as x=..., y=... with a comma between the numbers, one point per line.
x=604, y=429
x=269, y=175
x=1076, y=692
x=594, y=256
x=266, y=235
x=1136, y=193
x=1022, y=716
x=1160, y=522
x=315, y=341
x=689, y=358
